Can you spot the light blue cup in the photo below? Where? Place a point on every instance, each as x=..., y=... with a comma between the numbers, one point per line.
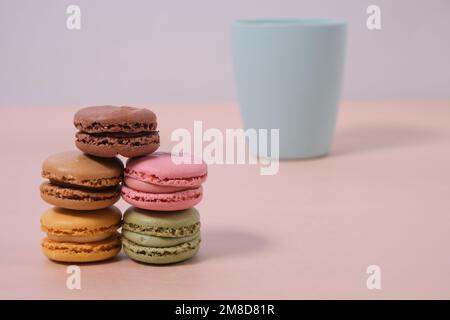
x=289, y=75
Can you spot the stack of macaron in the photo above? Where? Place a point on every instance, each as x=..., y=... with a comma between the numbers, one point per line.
x=83, y=186
x=162, y=226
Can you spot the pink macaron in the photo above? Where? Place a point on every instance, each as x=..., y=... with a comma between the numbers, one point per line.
x=164, y=182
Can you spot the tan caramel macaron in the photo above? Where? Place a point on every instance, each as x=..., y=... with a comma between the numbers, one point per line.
x=81, y=182
x=74, y=236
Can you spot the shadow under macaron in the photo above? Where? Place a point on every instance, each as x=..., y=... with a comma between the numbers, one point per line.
x=218, y=243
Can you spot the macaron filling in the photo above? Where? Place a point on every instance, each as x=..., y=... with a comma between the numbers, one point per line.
x=194, y=181
x=62, y=191
x=71, y=181
x=129, y=127
x=113, y=138
x=81, y=238
x=123, y=134
x=157, y=242
x=168, y=232
x=150, y=187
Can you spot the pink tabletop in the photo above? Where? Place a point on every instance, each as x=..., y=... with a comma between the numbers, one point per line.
x=381, y=198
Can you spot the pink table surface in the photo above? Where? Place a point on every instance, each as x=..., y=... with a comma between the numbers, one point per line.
x=382, y=197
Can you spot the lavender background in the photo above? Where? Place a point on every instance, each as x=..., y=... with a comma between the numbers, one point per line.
x=166, y=51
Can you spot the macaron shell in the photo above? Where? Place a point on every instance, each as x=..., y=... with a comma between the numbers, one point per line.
x=165, y=255
x=162, y=201
x=106, y=147
x=62, y=222
x=77, y=168
x=77, y=199
x=82, y=252
x=159, y=168
x=98, y=119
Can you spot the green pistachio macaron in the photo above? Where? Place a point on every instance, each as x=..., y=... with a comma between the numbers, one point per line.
x=161, y=237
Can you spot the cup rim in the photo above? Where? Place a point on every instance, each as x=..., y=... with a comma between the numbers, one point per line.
x=291, y=22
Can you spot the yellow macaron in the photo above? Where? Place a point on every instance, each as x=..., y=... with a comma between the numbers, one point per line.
x=81, y=236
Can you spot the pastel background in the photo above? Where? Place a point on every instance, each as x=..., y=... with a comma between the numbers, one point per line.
x=167, y=51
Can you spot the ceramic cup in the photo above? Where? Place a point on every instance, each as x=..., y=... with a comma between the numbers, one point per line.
x=289, y=75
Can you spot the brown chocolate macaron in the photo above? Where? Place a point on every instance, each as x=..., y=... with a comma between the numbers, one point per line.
x=106, y=131
x=81, y=182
